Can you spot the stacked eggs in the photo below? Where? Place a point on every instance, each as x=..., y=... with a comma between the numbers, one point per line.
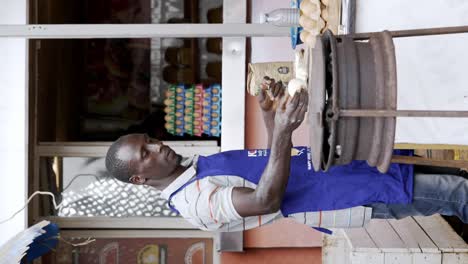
x=193, y=110
x=212, y=110
x=313, y=19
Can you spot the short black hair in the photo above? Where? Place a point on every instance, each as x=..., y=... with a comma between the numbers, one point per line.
x=118, y=168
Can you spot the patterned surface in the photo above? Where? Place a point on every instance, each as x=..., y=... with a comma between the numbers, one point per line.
x=109, y=197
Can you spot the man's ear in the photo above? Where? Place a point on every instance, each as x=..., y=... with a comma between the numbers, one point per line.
x=137, y=179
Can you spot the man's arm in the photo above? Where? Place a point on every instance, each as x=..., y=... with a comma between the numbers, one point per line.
x=269, y=94
x=267, y=197
x=269, y=119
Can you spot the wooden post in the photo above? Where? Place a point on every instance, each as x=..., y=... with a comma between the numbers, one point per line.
x=430, y=162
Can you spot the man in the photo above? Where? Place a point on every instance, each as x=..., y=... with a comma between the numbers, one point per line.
x=238, y=190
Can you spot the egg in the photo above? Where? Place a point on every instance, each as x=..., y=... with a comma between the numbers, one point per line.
x=311, y=40
x=304, y=35
x=321, y=24
x=325, y=14
x=295, y=85
x=300, y=65
x=307, y=23
x=168, y=110
x=169, y=93
x=310, y=8
x=169, y=101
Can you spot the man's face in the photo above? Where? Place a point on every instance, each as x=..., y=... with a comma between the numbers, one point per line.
x=148, y=158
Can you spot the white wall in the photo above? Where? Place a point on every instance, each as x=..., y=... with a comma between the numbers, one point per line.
x=272, y=48
x=13, y=136
x=431, y=70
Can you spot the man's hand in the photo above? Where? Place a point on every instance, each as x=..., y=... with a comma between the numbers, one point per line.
x=271, y=91
x=268, y=97
x=268, y=195
x=291, y=111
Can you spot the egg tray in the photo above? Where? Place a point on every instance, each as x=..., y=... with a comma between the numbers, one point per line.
x=174, y=109
x=193, y=110
x=212, y=111
x=189, y=109
x=169, y=109
x=198, y=113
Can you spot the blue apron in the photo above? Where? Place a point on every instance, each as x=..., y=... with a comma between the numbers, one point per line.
x=340, y=187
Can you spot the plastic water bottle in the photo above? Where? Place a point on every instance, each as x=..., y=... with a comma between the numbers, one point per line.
x=282, y=17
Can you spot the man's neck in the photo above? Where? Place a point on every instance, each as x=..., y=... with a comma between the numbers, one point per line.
x=161, y=184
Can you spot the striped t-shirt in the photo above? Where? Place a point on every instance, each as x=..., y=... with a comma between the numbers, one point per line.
x=207, y=204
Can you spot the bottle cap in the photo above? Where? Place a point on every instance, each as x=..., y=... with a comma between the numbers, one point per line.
x=263, y=18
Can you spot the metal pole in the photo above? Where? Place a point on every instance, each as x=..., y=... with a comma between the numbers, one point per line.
x=416, y=32
x=348, y=16
x=89, y=31
x=401, y=113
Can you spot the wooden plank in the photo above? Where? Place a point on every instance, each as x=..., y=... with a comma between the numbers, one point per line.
x=442, y=234
x=413, y=236
x=360, y=241
x=335, y=248
x=427, y=258
x=454, y=258
x=429, y=146
x=367, y=258
x=385, y=237
x=429, y=161
x=398, y=258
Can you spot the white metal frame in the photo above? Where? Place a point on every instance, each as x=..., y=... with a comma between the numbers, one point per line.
x=233, y=79
x=234, y=32
x=99, y=149
x=101, y=222
x=88, y=31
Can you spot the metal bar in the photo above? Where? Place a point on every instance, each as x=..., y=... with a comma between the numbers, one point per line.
x=104, y=222
x=139, y=233
x=401, y=113
x=416, y=32
x=430, y=162
x=93, y=31
x=100, y=151
x=348, y=16
x=181, y=143
x=233, y=78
